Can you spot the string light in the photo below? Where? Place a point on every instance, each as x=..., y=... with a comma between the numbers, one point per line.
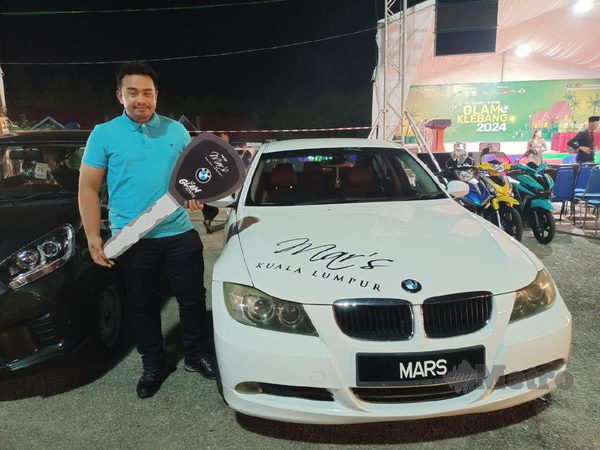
x=112, y=11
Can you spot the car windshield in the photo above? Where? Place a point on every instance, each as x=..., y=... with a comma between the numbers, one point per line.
x=340, y=175
x=39, y=170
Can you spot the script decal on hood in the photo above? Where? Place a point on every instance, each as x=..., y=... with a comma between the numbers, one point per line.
x=336, y=259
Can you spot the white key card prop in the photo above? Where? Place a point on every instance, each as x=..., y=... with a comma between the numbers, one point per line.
x=208, y=169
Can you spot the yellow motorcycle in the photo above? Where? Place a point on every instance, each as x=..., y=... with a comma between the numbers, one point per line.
x=500, y=210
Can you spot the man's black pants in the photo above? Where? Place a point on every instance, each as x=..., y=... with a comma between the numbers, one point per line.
x=181, y=257
x=210, y=212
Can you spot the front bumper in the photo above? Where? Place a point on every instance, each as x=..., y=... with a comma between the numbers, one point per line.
x=328, y=362
x=36, y=322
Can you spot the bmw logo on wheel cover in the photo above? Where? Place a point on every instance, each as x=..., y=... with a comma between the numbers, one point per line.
x=203, y=175
x=411, y=286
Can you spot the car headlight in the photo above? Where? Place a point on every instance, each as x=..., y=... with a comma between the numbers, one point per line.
x=252, y=307
x=38, y=258
x=535, y=298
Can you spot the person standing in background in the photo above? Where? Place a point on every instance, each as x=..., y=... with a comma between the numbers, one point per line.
x=583, y=143
x=535, y=147
x=246, y=155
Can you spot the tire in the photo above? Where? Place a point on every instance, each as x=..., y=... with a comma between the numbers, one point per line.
x=107, y=320
x=545, y=232
x=512, y=223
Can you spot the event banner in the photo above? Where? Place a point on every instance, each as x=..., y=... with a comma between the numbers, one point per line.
x=507, y=111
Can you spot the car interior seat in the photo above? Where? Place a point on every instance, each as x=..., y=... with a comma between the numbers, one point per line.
x=282, y=183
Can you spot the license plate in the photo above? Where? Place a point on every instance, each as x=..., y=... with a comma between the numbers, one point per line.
x=406, y=369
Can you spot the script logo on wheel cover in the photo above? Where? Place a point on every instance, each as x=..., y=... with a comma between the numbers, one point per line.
x=203, y=175
x=411, y=286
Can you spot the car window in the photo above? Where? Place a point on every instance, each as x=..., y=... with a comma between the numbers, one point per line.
x=339, y=175
x=37, y=168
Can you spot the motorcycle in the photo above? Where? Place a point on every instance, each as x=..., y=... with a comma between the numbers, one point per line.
x=533, y=189
x=501, y=211
x=478, y=197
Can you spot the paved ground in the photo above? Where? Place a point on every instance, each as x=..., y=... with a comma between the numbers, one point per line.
x=83, y=405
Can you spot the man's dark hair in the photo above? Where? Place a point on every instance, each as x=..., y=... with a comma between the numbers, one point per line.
x=135, y=68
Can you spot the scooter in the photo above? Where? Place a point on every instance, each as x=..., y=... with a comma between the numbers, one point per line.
x=533, y=189
x=501, y=211
x=478, y=197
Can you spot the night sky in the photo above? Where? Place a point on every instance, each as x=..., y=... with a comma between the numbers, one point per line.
x=327, y=82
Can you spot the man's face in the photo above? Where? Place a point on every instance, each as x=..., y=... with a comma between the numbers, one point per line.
x=594, y=125
x=138, y=95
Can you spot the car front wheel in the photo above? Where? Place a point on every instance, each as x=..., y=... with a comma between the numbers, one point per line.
x=107, y=319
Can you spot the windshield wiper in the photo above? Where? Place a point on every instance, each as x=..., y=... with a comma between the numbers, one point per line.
x=421, y=196
x=327, y=201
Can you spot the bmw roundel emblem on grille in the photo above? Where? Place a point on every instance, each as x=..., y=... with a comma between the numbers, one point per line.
x=203, y=175
x=411, y=286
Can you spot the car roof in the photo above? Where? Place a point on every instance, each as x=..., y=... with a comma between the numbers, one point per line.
x=46, y=137
x=303, y=144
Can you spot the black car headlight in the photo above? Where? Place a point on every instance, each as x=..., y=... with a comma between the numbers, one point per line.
x=38, y=258
x=535, y=298
x=252, y=307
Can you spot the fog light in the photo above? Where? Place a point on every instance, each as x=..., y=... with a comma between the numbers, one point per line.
x=248, y=388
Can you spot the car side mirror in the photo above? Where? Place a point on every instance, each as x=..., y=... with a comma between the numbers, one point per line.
x=227, y=202
x=458, y=189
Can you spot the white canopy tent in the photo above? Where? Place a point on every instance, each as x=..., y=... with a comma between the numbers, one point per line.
x=563, y=44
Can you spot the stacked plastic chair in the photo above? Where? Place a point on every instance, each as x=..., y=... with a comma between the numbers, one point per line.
x=591, y=196
x=580, y=185
x=564, y=187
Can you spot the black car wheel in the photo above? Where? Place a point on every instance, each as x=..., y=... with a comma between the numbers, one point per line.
x=543, y=225
x=107, y=319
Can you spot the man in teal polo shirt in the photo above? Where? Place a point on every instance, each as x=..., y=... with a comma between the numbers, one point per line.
x=137, y=153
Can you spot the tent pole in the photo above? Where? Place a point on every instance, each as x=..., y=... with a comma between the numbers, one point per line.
x=3, y=117
x=385, y=69
x=403, y=87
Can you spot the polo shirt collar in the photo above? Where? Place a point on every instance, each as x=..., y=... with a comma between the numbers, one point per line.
x=154, y=122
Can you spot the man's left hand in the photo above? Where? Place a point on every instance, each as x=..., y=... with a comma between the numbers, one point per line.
x=193, y=205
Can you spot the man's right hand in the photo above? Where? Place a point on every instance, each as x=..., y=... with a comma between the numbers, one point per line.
x=586, y=150
x=96, y=247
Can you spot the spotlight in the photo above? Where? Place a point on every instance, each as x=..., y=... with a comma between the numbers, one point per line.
x=523, y=50
x=583, y=6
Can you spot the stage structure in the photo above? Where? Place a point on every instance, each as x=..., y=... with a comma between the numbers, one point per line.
x=399, y=37
x=537, y=40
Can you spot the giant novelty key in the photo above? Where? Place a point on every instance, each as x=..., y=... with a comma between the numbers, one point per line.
x=207, y=170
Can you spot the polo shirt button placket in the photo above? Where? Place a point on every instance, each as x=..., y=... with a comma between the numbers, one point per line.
x=147, y=141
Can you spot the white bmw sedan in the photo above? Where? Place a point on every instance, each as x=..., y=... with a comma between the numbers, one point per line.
x=353, y=288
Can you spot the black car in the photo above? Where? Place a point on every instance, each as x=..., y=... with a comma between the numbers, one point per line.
x=53, y=298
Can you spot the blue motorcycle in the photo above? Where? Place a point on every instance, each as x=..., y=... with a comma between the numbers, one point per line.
x=533, y=189
x=478, y=197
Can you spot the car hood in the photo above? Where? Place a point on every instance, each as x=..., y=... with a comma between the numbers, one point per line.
x=23, y=223
x=319, y=254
